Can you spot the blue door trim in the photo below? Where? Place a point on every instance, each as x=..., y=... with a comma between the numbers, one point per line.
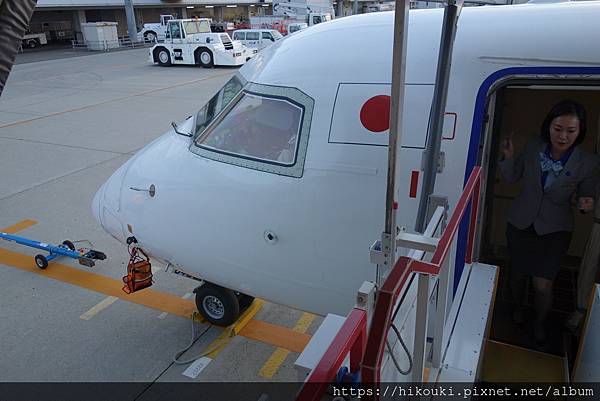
x=477, y=129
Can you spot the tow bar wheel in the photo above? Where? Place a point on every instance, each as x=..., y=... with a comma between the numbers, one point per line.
x=218, y=305
x=41, y=261
x=68, y=244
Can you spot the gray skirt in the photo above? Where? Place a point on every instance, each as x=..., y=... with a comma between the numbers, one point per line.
x=536, y=255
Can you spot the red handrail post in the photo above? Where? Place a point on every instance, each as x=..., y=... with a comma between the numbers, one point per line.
x=358, y=349
x=380, y=323
x=353, y=331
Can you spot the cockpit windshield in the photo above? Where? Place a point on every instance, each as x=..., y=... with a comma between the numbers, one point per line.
x=218, y=102
x=257, y=127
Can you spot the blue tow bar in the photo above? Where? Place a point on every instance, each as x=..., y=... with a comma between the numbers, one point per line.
x=85, y=257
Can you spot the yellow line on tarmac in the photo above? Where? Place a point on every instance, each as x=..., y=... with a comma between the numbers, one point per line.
x=22, y=225
x=294, y=340
x=229, y=332
x=276, y=359
x=105, y=303
x=99, y=283
x=276, y=335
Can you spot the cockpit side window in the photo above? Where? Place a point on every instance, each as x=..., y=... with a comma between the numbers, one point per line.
x=264, y=128
x=217, y=103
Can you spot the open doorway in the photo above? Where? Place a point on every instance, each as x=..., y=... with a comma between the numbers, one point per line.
x=520, y=108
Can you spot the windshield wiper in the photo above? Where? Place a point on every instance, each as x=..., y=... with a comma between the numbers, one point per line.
x=179, y=132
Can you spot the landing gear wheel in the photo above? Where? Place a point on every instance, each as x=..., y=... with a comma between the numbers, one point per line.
x=218, y=305
x=245, y=300
x=69, y=245
x=164, y=58
x=41, y=261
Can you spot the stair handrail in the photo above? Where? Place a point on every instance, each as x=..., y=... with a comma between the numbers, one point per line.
x=392, y=287
x=352, y=337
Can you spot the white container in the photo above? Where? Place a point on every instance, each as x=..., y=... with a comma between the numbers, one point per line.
x=100, y=35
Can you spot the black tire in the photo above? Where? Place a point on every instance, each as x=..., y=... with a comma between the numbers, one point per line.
x=41, y=261
x=150, y=36
x=218, y=305
x=69, y=245
x=32, y=43
x=204, y=57
x=163, y=56
x=245, y=300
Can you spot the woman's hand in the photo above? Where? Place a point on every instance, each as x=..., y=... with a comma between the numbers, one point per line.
x=585, y=204
x=507, y=148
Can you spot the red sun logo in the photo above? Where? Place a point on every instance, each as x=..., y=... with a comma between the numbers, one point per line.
x=375, y=113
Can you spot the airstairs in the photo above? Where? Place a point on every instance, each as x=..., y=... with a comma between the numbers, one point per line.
x=445, y=336
x=418, y=331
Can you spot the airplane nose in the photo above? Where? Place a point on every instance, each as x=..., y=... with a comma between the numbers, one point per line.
x=105, y=206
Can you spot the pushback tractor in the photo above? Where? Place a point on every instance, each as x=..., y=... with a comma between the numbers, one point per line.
x=191, y=42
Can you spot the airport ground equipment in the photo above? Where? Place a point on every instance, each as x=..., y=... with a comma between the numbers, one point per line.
x=85, y=256
x=191, y=41
x=291, y=13
x=33, y=40
x=155, y=32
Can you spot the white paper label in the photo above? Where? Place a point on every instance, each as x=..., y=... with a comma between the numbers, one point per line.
x=198, y=366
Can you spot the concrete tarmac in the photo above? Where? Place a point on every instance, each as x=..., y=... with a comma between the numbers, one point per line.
x=65, y=125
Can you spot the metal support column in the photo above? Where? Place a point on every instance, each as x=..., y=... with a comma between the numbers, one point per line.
x=355, y=7
x=340, y=8
x=388, y=237
x=78, y=19
x=438, y=108
x=131, y=25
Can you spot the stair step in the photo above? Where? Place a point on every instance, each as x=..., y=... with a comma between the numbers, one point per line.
x=509, y=363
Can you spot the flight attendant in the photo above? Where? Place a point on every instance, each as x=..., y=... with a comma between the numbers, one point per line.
x=555, y=170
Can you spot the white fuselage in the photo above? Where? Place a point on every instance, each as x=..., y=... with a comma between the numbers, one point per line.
x=212, y=211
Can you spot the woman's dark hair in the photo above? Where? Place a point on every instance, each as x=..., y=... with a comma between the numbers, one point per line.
x=566, y=108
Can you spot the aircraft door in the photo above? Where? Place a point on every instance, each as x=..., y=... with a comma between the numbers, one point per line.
x=489, y=139
x=591, y=258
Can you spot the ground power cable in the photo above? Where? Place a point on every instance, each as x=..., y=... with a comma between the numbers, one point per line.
x=141, y=394
x=391, y=351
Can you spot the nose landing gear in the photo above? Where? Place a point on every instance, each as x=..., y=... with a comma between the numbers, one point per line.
x=219, y=305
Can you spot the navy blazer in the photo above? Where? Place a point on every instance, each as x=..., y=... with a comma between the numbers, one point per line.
x=549, y=211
